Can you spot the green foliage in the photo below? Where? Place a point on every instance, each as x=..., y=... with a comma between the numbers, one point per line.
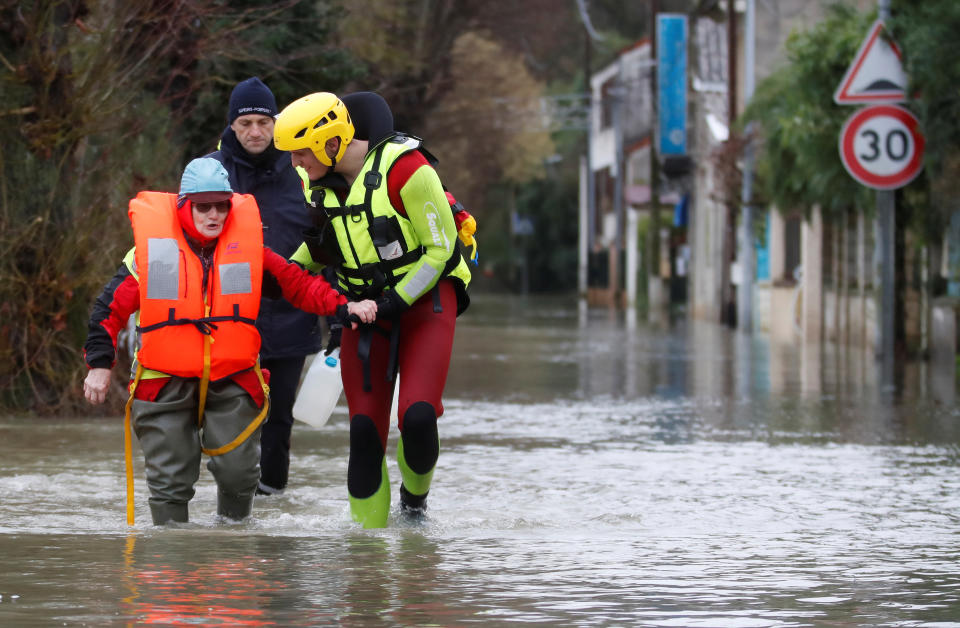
x=288, y=45
x=103, y=99
x=79, y=134
x=551, y=204
x=799, y=124
x=550, y=253
x=487, y=126
x=927, y=32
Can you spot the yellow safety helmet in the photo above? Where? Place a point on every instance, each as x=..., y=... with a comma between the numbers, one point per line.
x=310, y=121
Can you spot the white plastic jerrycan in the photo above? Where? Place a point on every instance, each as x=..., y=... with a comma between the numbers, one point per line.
x=320, y=390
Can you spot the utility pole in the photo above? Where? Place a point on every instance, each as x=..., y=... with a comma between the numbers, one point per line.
x=653, y=236
x=618, y=94
x=591, y=182
x=745, y=291
x=589, y=206
x=591, y=193
x=886, y=220
x=727, y=247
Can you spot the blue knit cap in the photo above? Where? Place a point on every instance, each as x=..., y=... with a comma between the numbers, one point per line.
x=251, y=96
x=205, y=180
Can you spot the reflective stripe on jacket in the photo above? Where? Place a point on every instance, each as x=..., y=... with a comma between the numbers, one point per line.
x=181, y=327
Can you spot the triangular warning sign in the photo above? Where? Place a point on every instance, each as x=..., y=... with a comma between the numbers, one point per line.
x=876, y=74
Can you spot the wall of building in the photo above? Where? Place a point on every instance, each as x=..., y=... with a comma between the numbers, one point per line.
x=708, y=129
x=775, y=20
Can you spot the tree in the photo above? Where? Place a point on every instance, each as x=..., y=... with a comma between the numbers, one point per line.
x=487, y=127
x=289, y=44
x=78, y=133
x=926, y=32
x=798, y=165
x=101, y=99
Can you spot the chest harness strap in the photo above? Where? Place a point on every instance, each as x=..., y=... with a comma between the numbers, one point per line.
x=205, y=325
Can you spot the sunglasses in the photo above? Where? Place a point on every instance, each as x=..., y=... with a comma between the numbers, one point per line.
x=222, y=207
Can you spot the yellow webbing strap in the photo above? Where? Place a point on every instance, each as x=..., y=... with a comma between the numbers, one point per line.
x=250, y=429
x=128, y=444
x=129, y=570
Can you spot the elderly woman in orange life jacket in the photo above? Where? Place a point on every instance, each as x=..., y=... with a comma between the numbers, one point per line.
x=195, y=275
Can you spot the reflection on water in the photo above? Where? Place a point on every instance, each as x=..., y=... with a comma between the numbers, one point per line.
x=211, y=592
x=594, y=471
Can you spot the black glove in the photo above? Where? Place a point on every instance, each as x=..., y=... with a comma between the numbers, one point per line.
x=334, y=341
x=391, y=306
x=345, y=318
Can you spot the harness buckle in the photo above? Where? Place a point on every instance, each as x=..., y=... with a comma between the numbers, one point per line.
x=372, y=180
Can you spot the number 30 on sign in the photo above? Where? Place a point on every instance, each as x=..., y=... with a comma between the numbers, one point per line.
x=881, y=147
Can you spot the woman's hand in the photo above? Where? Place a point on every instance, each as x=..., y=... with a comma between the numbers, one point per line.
x=365, y=310
x=96, y=385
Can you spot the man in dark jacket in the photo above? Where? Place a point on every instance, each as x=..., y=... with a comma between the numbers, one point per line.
x=256, y=167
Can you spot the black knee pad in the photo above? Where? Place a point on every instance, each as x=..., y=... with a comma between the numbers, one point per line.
x=366, y=457
x=421, y=444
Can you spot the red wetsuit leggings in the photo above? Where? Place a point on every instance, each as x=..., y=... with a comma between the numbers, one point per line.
x=423, y=359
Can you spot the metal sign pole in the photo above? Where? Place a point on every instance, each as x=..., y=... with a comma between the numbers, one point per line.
x=747, y=251
x=886, y=215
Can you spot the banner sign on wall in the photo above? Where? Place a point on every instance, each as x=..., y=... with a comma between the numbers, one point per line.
x=672, y=83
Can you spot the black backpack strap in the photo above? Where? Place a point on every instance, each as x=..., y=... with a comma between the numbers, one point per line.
x=372, y=181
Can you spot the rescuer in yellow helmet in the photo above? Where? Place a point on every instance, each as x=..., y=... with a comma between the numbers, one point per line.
x=384, y=223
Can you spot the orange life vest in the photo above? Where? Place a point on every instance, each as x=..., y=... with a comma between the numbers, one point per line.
x=184, y=332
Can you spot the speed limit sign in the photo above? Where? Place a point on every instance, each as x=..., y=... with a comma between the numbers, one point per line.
x=881, y=147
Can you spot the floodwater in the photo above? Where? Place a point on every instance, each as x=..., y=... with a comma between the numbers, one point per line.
x=594, y=471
